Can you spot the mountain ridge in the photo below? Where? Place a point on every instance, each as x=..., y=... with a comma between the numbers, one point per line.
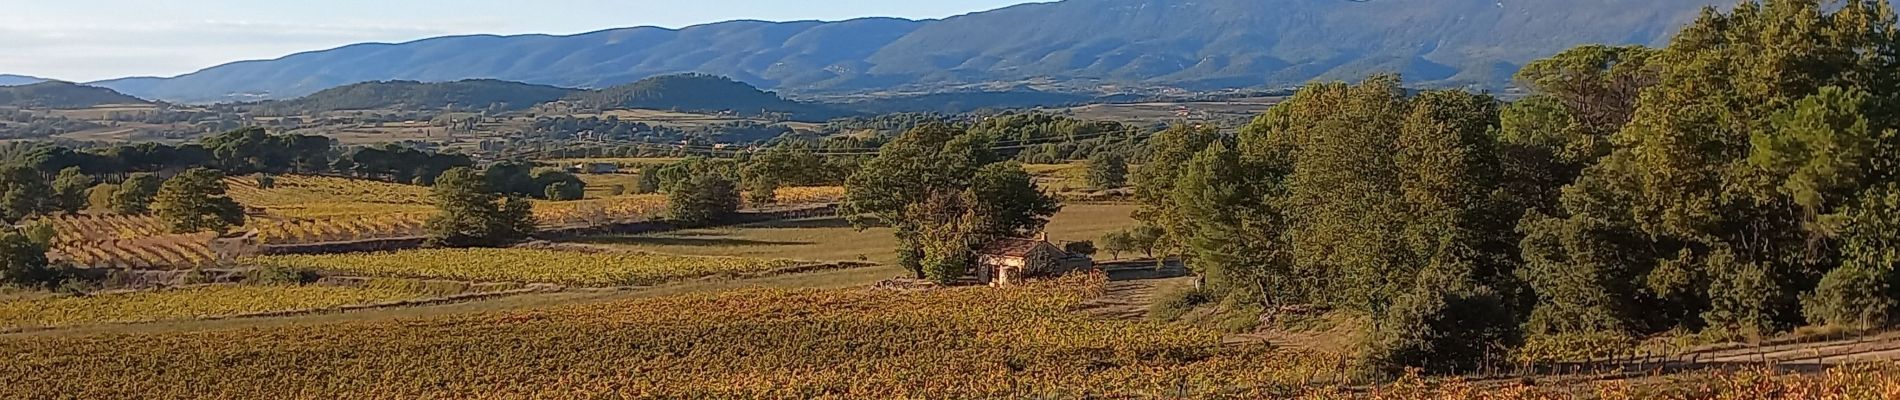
x=62, y=95
x=17, y=80
x=468, y=94
x=1201, y=44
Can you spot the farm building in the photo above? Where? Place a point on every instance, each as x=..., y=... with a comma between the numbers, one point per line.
x=1010, y=261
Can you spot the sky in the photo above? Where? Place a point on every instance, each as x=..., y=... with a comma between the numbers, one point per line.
x=88, y=40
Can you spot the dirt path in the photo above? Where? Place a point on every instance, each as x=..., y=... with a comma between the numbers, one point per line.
x=1133, y=286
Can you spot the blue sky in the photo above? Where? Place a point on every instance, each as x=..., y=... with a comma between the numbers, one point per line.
x=84, y=40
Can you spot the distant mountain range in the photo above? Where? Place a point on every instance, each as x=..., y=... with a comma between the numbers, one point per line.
x=1193, y=44
x=696, y=93
x=683, y=92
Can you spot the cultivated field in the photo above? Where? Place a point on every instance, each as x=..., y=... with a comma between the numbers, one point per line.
x=49, y=311
x=531, y=266
x=833, y=239
x=855, y=343
x=1021, y=342
x=310, y=197
x=313, y=209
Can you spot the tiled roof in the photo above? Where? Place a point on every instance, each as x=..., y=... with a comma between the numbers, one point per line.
x=1012, y=247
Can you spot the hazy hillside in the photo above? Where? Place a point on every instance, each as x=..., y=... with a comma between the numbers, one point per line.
x=475, y=94
x=16, y=80
x=56, y=94
x=1196, y=44
x=699, y=93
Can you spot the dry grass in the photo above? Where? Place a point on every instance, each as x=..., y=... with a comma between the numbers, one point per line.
x=832, y=239
x=1060, y=178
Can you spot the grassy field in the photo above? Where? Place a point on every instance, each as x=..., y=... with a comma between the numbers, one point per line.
x=1060, y=178
x=210, y=301
x=601, y=185
x=531, y=266
x=832, y=239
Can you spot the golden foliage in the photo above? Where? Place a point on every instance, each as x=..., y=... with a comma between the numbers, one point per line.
x=199, y=302
x=759, y=343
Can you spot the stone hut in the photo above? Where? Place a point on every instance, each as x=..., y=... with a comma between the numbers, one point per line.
x=1010, y=261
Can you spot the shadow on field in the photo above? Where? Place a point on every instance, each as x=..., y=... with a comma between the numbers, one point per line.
x=1142, y=269
x=702, y=241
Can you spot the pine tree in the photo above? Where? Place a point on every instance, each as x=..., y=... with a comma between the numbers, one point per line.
x=69, y=190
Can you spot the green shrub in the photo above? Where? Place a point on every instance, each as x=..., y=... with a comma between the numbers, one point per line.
x=1171, y=305
x=279, y=275
x=1852, y=296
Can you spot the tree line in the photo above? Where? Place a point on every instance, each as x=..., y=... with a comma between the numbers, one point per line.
x=1735, y=184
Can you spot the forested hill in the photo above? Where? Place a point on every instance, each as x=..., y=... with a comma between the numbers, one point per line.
x=700, y=93
x=16, y=80
x=56, y=94
x=1196, y=44
x=474, y=94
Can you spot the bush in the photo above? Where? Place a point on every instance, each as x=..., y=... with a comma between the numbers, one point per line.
x=557, y=185
x=1441, y=328
x=280, y=275
x=40, y=232
x=25, y=262
x=562, y=191
x=1171, y=305
x=100, y=196
x=702, y=200
x=1852, y=296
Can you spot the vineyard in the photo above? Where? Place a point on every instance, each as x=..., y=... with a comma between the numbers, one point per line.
x=119, y=241
x=1021, y=342
x=200, y=302
x=315, y=209
x=529, y=266
x=620, y=209
x=756, y=343
x=809, y=195
x=318, y=197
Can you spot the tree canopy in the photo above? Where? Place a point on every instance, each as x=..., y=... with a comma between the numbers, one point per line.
x=470, y=214
x=195, y=201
